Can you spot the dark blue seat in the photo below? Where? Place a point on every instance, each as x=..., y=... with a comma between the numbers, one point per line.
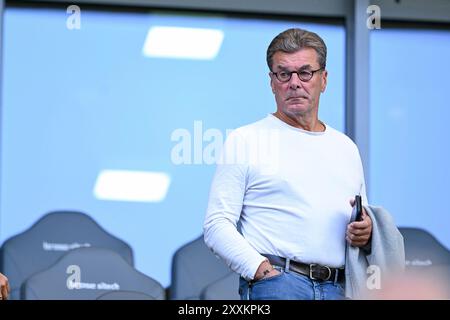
x=48, y=239
x=87, y=274
x=423, y=250
x=194, y=267
x=225, y=288
x=427, y=259
x=125, y=295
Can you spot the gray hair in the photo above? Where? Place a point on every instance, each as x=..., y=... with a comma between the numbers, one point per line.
x=293, y=40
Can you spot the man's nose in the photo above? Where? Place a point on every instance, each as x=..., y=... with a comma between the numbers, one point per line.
x=295, y=82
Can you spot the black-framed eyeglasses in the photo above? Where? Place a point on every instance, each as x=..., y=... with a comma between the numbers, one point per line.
x=304, y=75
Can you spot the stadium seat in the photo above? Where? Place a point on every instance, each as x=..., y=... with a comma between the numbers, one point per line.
x=87, y=274
x=125, y=295
x=225, y=288
x=422, y=249
x=48, y=239
x=194, y=267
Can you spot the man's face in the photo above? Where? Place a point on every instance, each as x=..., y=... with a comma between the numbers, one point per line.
x=295, y=97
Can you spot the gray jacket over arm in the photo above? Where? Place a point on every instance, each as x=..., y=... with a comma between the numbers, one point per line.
x=385, y=257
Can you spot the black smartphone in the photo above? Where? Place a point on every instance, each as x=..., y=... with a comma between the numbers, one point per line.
x=358, y=207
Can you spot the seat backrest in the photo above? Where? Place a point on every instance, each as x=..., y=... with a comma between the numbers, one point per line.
x=194, y=266
x=48, y=239
x=225, y=288
x=86, y=274
x=125, y=295
x=422, y=249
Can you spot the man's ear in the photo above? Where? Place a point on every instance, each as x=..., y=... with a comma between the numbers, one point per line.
x=271, y=82
x=324, y=80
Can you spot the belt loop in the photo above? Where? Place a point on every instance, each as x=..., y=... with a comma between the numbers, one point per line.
x=336, y=275
x=286, y=266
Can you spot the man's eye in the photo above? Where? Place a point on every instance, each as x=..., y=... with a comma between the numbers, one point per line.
x=283, y=74
x=305, y=74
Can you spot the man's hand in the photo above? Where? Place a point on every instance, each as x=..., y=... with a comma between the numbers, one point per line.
x=359, y=232
x=4, y=287
x=265, y=270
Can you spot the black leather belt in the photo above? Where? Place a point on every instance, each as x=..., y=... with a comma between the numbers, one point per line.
x=313, y=271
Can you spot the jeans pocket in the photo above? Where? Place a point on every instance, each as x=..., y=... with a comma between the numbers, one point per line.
x=266, y=279
x=271, y=288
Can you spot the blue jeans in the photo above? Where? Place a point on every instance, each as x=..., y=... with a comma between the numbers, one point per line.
x=290, y=285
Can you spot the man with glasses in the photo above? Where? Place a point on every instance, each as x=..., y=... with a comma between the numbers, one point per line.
x=281, y=218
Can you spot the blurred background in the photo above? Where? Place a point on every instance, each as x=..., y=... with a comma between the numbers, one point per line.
x=92, y=102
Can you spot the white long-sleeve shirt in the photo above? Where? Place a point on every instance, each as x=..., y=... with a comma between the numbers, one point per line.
x=289, y=188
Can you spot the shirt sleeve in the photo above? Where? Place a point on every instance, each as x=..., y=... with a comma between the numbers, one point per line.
x=224, y=209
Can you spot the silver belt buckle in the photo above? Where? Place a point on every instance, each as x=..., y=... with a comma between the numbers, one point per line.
x=313, y=278
x=310, y=271
x=329, y=273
